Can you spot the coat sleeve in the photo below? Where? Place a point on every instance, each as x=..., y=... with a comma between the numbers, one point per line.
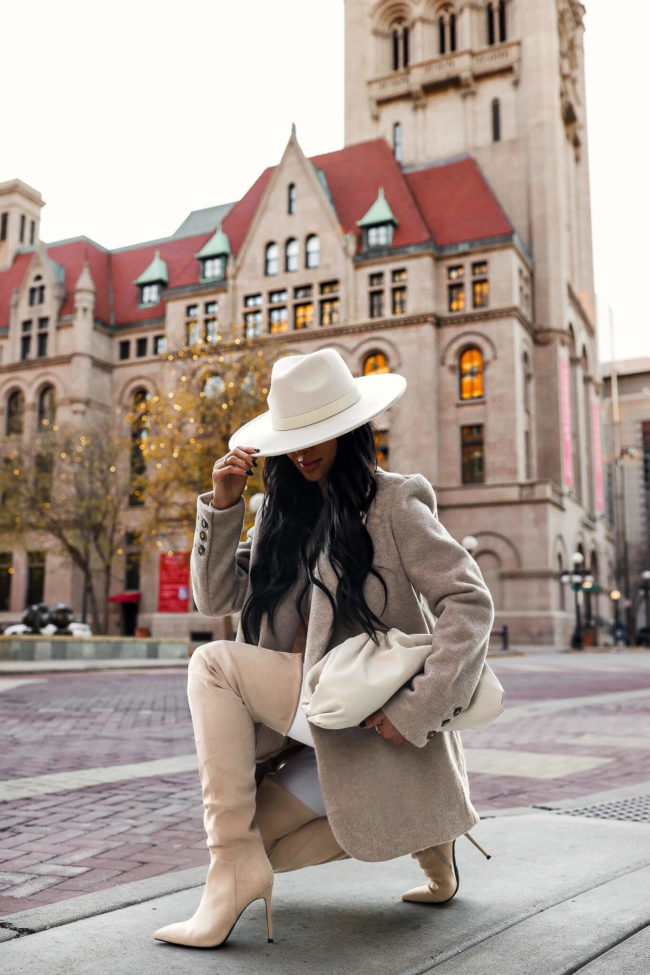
x=219, y=562
x=441, y=570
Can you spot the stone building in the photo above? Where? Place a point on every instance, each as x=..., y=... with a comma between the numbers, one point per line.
x=626, y=458
x=449, y=240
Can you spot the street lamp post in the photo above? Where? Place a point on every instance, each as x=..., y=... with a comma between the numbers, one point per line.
x=615, y=596
x=576, y=584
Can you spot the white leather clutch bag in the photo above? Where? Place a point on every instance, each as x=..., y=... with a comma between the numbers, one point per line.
x=358, y=676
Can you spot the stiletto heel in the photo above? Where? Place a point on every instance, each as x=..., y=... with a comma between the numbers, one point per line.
x=488, y=856
x=269, y=924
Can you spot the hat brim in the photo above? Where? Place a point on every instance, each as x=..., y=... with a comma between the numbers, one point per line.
x=378, y=392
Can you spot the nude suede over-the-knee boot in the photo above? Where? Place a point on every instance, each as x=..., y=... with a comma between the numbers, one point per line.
x=230, y=687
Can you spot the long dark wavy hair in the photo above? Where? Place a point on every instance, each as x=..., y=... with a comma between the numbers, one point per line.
x=294, y=511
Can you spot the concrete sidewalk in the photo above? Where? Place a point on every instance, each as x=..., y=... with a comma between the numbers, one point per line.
x=562, y=893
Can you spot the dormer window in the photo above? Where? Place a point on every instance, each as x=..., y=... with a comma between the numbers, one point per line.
x=214, y=256
x=152, y=281
x=378, y=224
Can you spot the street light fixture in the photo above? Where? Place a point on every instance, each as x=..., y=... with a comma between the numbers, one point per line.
x=615, y=596
x=576, y=578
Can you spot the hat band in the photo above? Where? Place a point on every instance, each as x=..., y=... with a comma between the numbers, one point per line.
x=322, y=413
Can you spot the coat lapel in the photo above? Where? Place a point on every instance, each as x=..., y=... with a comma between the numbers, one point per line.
x=321, y=617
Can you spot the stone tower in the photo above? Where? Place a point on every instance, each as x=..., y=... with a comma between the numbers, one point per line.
x=502, y=81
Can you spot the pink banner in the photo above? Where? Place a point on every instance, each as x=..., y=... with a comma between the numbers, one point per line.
x=174, y=582
x=565, y=403
x=598, y=456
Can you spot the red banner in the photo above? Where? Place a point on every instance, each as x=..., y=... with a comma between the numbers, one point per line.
x=565, y=404
x=174, y=582
x=598, y=456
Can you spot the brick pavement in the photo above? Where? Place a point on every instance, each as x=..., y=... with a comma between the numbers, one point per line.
x=55, y=846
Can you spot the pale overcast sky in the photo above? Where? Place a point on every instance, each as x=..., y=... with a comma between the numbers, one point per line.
x=126, y=116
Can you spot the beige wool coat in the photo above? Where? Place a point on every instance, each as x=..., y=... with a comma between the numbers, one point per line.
x=382, y=800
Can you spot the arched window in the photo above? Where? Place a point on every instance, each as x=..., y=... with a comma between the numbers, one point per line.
x=496, y=120
x=471, y=374
x=291, y=255
x=213, y=386
x=139, y=424
x=312, y=251
x=447, y=30
x=400, y=39
x=291, y=198
x=15, y=413
x=375, y=363
x=271, y=259
x=397, y=141
x=46, y=408
x=496, y=22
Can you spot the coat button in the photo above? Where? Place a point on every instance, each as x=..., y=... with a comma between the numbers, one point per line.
x=446, y=721
x=431, y=735
x=457, y=712
x=204, y=523
x=201, y=549
x=204, y=535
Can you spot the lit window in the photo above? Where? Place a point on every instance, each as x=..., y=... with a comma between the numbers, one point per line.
x=291, y=198
x=480, y=285
x=304, y=292
x=272, y=259
x=381, y=448
x=377, y=362
x=329, y=311
x=303, y=315
x=471, y=438
x=291, y=255
x=456, y=288
x=278, y=319
x=399, y=274
x=329, y=287
x=471, y=374
x=399, y=301
x=376, y=309
x=376, y=280
x=312, y=251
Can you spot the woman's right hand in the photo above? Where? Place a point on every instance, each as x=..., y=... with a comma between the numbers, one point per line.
x=229, y=476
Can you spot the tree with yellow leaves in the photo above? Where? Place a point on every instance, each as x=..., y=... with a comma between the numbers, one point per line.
x=180, y=431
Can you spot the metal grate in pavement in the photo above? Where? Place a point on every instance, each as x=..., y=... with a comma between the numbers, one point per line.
x=635, y=809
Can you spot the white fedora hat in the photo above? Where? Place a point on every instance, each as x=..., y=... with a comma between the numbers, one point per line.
x=314, y=398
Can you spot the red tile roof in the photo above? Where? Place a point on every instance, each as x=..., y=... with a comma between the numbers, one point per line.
x=449, y=203
x=458, y=203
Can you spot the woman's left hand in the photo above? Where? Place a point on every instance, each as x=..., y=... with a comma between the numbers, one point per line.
x=380, y=722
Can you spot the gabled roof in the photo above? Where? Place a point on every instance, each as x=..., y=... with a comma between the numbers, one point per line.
x=447, y=204
x=380, y=212
x=156, y=272
x=217, y=246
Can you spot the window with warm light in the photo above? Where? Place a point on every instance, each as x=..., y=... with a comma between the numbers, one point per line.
x=381, y=448
x=376, y=362
x=278, y=319
x=480, y=285
x=303, y=315
x=46, y=408
x=399, y=301
x=456, y=287
x=15, y=413
x=471, y=374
